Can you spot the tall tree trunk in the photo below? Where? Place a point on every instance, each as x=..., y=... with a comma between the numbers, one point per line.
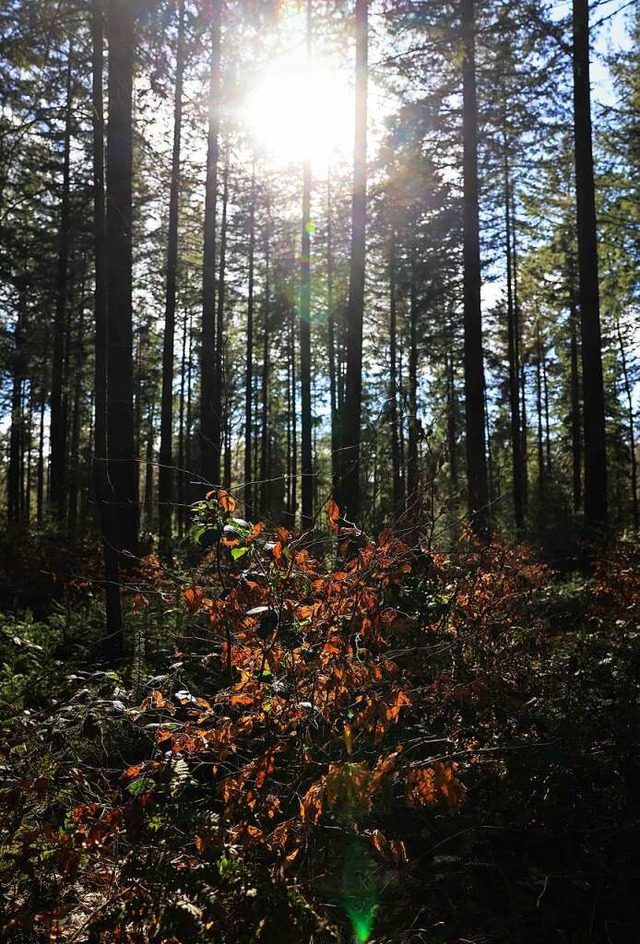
x=398, y=490
x=265, y=490
x=477, y=476
x=209, y=445
x=181, y=428
x=40, y=486
x=221, y=404
x=122, y=517
x=74, y=471
x=148, y=473
x=514, y=367
x=413, y=478
x=521, y=375
x=333, y=348
x=15, y=471
x=248, y=391
x=547, y=423
x=539, y=409
x=228, y=453
x=28, y=450
x=491, y=476
x=451, y=416
x=574, y=382
x=293, y=419
x=165, y=474
x=306, y=454
x=58, y=432
x=100, y=264
x=350, y=424
x=595, y=456
x=628, y=390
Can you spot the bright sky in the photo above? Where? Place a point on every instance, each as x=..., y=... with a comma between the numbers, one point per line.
x=296, y=107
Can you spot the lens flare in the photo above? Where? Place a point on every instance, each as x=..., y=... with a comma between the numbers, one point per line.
x=359, y=890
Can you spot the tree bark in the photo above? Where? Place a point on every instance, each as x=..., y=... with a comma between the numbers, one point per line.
x=58, y=431
x=15, y=470
x=595, y=456
x=165, y=474
x=306, y=450
x=122, y=513
x=574, y=383
x=413, y=476
x=248, y=390
x=74, y=471
x=539, y=410
x=209, y=444
x=398, y=490
x=220, y=397
x=451, y=417
x=513, y=357
x=181, y=427
x=265, y=490
x=628, y=390
x=333, y=348
x=477, y=475
x=349, y=498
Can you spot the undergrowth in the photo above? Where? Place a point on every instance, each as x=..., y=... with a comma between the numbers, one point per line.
x=345, y=739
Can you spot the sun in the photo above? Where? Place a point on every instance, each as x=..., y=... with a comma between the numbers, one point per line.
x=299, y=109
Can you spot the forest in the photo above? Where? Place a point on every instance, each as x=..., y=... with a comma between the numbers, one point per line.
x=319, y=419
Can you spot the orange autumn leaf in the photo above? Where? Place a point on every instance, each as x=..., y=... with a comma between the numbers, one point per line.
x=333, y=513
x=420, y=789
x=241, y=699
x=291, y=857
x=139, y=602
x=256, y=531
x=264, y=769
x=226, y=501
x=447, y=786
x=380, y=843
x=134, y=771
x=311, y=804
x=194, y=597
x=350, y=786
x=399, y=852
x=157, y=700
x=399, y=700
x=427, y=786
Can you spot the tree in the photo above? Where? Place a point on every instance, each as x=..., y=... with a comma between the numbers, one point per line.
x=122, y=518
x=58, y=418
x=595, y=456
x=305, y=331
x=477, y=477
x=350, y=422
x=165, y=491
x=210, y=390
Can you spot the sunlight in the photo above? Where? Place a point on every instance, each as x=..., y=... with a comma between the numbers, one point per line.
x=296, y=109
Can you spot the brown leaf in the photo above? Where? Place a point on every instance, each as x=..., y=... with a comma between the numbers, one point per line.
x=333, y=513
x=311, y=804
x=226, y=501
x=193, y=597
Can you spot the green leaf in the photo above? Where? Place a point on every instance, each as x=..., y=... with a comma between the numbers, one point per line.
x=143, y=785
x=237, y=552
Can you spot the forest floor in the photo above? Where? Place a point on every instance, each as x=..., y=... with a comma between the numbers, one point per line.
x=390, y=745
